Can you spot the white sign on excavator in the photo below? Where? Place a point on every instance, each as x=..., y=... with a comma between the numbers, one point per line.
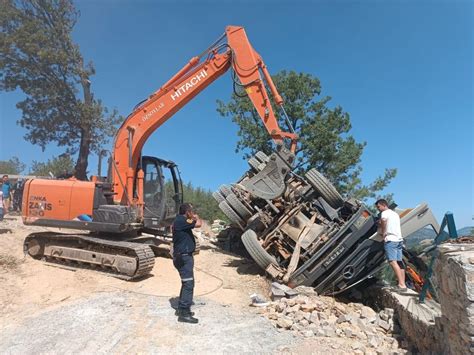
x=188, y=85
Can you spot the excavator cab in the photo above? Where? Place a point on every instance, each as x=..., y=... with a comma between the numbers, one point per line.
x=162, y=191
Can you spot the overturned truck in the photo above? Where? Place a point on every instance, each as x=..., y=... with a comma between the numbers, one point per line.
x=301, y=231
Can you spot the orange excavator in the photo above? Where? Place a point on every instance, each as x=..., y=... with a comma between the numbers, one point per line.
x=134, y=198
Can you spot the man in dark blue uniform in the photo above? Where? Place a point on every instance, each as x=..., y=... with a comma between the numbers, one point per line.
x=184, y=246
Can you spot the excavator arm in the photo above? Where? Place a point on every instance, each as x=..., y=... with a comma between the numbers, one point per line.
x=237, y=54
x=117, y=207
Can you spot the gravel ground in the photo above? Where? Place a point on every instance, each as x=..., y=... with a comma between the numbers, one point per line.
x=127, y=322
x=50, y=310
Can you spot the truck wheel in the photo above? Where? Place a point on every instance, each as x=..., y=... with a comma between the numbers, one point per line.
x=238, y=206
x=254, y=164
x=256, y=251
x=218, y=196
x=262, y=157
x=231, y=214
x=225, y=190
x=324, y=188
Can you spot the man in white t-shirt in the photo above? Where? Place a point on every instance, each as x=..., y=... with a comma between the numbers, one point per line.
x=392, y=233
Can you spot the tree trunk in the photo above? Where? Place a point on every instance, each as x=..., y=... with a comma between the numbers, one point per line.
x=82, y=159
x=84, y=147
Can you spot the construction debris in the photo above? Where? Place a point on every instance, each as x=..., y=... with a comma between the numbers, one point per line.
x=258, y=300
x=279, y=291
x=309, y=315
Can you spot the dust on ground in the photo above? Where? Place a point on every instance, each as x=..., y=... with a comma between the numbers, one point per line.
x=54, y=310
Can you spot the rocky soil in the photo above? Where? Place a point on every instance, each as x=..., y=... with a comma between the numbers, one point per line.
x=46, y=309
x=311, y=316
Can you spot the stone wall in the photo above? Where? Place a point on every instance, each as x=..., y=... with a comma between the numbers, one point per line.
x=446, y=327
x=454, y=273
x=420, y=323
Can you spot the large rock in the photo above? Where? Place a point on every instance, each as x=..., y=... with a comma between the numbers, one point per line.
x=296, y=326
x=290, y=302
x=384, y=316
x=368, y=313
x=320, y=332
x=284, y=322
x=294, y=308
x=280, y=307
x=299, y=315
x=314, y=318
x=318, y=305
x=323, y=315
x=384, y=325
x=343, y=318
x=360, y=335
x=307, y=307
x=300, y=299
x=277, y=294
x=329, y=331
x=304, y=323
x=305, y=290
x=272, y=315
x=339, y=309
x=374, y=341
x=348, y=332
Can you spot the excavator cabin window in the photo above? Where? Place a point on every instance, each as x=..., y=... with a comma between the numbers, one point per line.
x=161, y=189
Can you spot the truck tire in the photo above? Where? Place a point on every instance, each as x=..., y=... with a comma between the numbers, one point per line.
x=256, y=251
x=218, y=196
x=238, y=206
x=231, y=214
x=254, y=164
x=324, y=188
x=262, y=157
x=225, y=190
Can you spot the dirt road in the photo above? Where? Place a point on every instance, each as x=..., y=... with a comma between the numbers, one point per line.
x=52, y=310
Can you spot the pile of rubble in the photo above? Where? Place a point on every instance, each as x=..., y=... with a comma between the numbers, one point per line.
x=310, y=315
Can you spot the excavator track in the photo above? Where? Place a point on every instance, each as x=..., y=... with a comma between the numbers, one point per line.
x=124, y=260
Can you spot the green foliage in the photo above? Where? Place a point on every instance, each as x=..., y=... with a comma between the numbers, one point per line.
x=325, y=142
x=57, y=166
x=205, y=205
x=39, y=57
x=12, y=166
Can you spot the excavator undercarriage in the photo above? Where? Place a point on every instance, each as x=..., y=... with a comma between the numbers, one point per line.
x=124, y=260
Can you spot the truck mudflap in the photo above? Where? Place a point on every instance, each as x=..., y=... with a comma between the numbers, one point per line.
x=124, y=260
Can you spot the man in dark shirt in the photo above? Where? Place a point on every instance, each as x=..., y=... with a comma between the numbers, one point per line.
x=184, y=246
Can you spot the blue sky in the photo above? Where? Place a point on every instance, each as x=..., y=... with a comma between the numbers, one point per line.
x=402, y=69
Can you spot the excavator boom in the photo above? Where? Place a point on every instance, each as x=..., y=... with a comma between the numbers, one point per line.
x=237, y=54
